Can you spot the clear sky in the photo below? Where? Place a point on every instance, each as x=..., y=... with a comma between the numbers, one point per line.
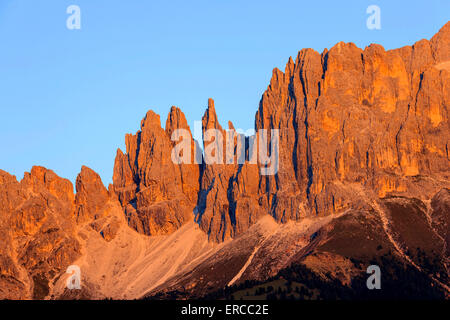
x=68, y=97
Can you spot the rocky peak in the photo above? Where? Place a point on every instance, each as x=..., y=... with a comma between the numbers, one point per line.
x=150, y=122
x=345, y=116
x=5, y=177
x=189, y=172
x=91, y=195
x=36, y=231
x=155, y=193
x=40, y=177
x=440, y=44
x=175, y=120
x=363, y=133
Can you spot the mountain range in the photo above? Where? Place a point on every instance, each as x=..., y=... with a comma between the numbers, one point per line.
x=363, y=179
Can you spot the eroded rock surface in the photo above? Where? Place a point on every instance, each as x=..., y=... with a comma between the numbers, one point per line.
x=363, y=158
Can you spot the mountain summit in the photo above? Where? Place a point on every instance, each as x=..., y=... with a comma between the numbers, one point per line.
x=363, y=178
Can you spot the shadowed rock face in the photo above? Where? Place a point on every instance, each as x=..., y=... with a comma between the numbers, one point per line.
x=375, y=118
x=364, y=158
x=229, y=201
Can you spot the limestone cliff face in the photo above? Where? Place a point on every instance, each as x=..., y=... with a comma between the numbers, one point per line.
x=347, y=118
x=372, y=117
x=37, y=224
x=364, y=130
x=91, y=195
x=158, y=196
x=213, y=211
x=222, y=185
x=229, y=201
x=39, y=220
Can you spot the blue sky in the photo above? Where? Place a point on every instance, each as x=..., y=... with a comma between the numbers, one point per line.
x=68, y=97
